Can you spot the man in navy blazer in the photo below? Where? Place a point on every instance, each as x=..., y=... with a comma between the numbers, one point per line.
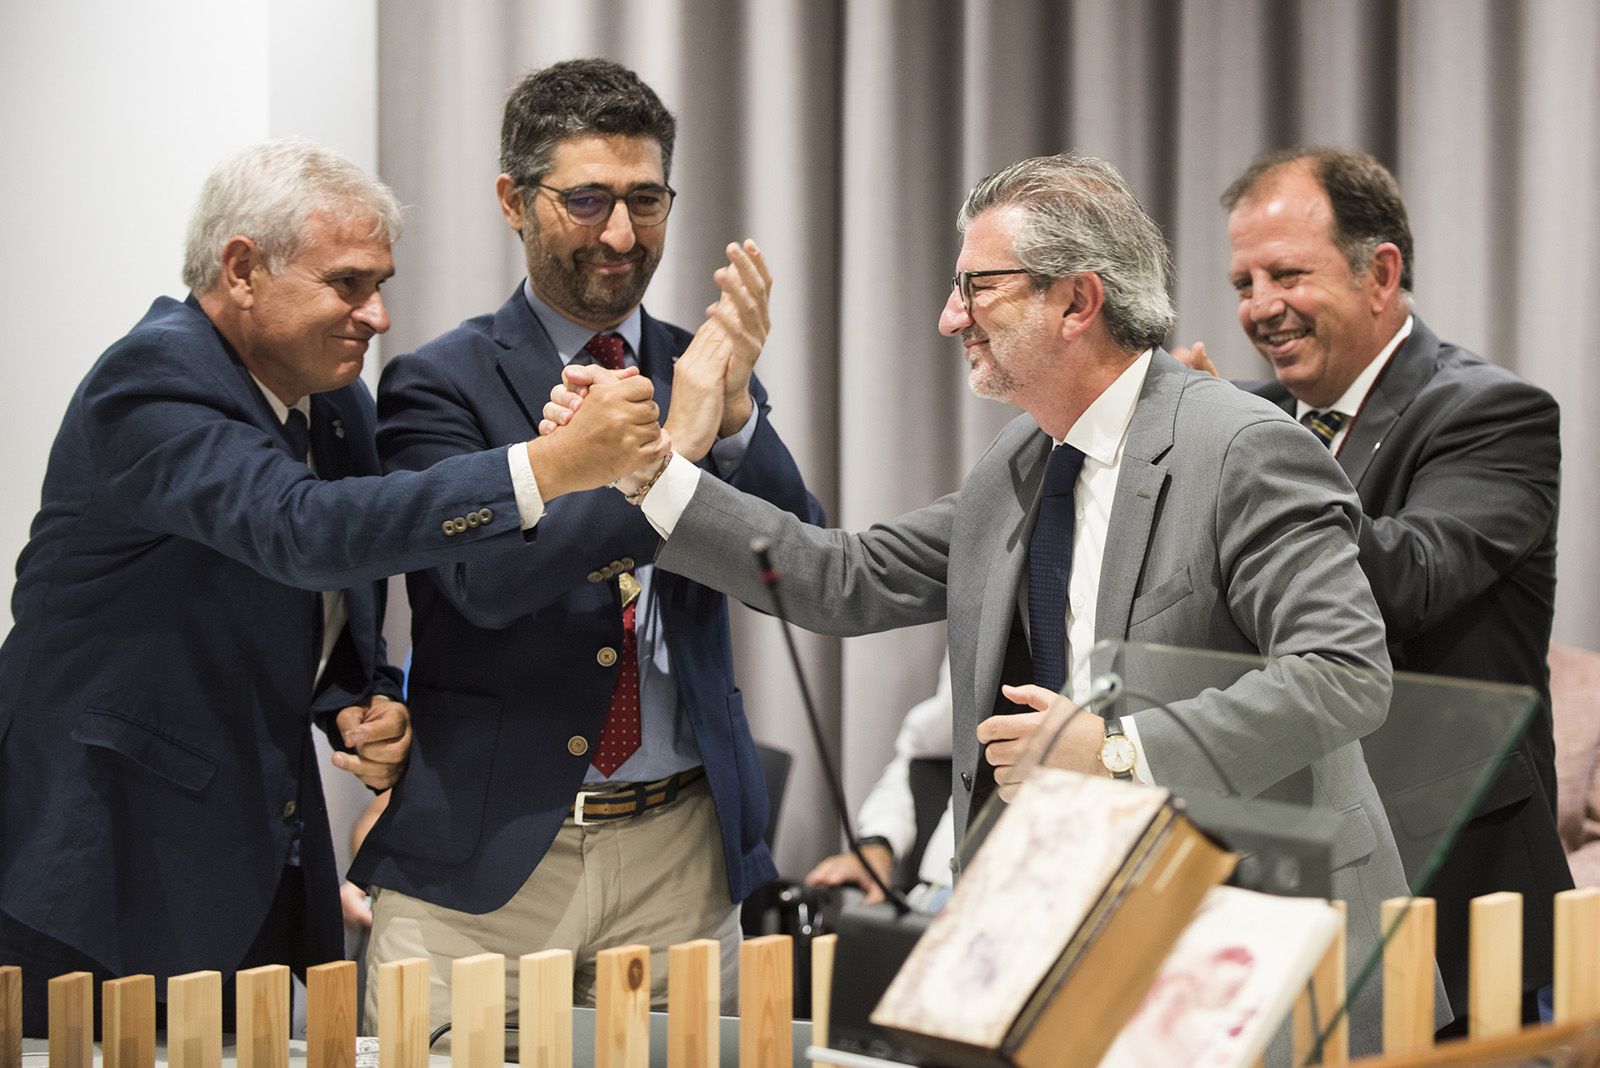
x=524, y=824
x=203, y=581
x=1459, y=504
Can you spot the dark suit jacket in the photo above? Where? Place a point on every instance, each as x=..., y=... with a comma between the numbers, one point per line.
x=156, y=691
x=1457, y=463
x=504, y=668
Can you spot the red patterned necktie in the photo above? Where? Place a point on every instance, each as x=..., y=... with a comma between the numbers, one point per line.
x=606, y=350
x=619, y=736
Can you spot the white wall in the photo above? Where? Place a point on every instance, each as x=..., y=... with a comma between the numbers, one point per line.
x=114, y=113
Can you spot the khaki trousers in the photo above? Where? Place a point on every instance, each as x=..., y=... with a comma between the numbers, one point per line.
x=655, y=879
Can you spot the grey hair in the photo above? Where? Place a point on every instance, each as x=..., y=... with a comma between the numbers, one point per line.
x=1081, y=216
x=267, y=192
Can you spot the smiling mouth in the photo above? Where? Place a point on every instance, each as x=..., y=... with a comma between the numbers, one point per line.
x=1279, y=339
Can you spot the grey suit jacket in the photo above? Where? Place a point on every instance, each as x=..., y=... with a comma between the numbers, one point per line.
x=1232, y=529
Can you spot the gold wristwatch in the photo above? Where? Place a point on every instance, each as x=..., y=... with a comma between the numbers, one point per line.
x=1117, y=754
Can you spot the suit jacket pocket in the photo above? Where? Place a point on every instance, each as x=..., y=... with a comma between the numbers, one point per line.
x=1355, y=839
x=1429, y=808
x=437, y=810
x=179, y=763
x=1160, y=597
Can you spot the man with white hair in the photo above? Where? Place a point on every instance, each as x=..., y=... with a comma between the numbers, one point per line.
x=203, y=581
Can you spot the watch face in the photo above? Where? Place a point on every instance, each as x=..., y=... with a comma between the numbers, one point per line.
x=1117, y=754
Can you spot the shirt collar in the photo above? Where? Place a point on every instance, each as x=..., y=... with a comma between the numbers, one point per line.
x=1352, y=399
x=281, y=410
x=1100, y=430
x=570, y=337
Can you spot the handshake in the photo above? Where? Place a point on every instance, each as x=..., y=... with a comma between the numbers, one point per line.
x=601, y=427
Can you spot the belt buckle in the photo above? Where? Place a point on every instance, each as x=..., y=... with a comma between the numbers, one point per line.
x=577, y=807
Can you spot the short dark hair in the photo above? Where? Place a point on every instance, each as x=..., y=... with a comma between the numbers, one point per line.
x=1367, y=208
x=575, y=97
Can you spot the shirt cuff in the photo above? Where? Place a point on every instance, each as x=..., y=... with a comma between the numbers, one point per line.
x=530, y=504
x=667, y=499
x=1141, y=767
x=728, y=453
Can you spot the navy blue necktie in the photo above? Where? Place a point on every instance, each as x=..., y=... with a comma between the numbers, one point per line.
x=1049, y=564
x=298, y=432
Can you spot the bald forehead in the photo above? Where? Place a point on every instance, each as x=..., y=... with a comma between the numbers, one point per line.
x=1292, y=194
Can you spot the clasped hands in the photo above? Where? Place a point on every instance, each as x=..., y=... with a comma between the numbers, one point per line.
x=1012, y=741
x=710, y=381
x=379, y=730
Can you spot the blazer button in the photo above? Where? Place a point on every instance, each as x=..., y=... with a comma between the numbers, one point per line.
x=449, y=528
x=472, y=519
x=627, y=563
x=595, y=576
x=289, y=809
x=577, y=745
x=460, y=524
x=966, y=780
x=606, y=656
x=485, y=514
x=610, y=570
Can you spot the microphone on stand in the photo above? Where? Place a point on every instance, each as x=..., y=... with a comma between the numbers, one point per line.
x=762, y=548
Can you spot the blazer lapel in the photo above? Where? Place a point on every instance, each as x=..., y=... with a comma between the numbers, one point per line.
x=528, y=359
x=657, y=359
x=1004, y=553
x=1397, y=386
x=1140, y=480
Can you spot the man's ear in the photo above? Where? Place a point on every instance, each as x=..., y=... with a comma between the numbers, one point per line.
x=1383, y=274
x=240, y=260
x=1081, y=297
x=510, y=197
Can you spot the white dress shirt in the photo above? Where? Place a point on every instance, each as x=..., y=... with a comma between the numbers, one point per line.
x=1350, y=402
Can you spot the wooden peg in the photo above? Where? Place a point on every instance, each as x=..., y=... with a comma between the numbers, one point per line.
x=822, y=948
x=1494, y=965
x=1408, y=972
x=261, y=1016
x=1577, y=965
x=766, y=1001
x=194, y=1020
x=478, y=1011
x=331, y=1015
x=622, y=1007
x=694, y=1003
x=128, y=1022
x=403, y=1013
x=544, y=1009
x=10, y=1016
x=1329, y=990
x=72, y=1020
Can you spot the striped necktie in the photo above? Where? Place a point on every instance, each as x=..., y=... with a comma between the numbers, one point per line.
x=1325, y=425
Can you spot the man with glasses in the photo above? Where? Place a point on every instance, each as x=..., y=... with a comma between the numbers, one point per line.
x=1134, y=500
x=586, y=776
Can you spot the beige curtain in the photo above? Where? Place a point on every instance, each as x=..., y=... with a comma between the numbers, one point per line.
x=842, y=134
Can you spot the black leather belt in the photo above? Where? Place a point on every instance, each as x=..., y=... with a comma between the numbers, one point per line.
x=620, y=802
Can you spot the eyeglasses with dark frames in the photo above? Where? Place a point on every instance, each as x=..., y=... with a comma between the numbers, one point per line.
x=591, y=205
x=962, y=282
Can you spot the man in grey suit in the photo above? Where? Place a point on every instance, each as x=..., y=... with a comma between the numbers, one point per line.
x=1134, y=500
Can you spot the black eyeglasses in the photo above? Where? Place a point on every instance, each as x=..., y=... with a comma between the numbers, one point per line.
x=962, y=282
x=591, y=205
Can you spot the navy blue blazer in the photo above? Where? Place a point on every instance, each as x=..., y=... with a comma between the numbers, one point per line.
x=156, y=690
x=504, y=668
x=1458, y=466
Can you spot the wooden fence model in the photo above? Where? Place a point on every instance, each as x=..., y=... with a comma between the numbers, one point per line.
x=622, y=1004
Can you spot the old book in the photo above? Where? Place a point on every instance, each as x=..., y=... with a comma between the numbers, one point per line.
x=1228, y=983
x=1057, y=928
